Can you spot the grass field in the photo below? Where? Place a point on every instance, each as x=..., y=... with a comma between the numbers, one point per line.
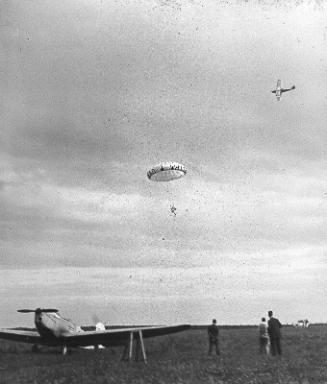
x=180, y=358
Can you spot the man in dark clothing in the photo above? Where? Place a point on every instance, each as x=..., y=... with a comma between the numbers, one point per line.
x=213, y=333
x=274, y=327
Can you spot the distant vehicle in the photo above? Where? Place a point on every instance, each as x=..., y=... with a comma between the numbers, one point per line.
x=302, y=323
x=54, y=330
x=279, y=90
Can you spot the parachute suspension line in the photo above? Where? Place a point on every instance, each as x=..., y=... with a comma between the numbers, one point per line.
x=171, y=198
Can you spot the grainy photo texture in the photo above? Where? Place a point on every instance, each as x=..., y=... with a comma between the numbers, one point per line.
x=163, y=191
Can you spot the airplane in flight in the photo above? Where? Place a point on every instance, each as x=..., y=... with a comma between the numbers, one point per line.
x=279, y=90
x=54, y=330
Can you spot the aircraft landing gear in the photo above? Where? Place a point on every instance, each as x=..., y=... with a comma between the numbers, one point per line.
x=128, y=350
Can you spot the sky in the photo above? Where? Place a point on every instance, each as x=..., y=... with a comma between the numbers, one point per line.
x=95, y=93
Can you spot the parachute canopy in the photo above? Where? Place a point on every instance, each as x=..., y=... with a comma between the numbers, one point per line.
x=166, y=172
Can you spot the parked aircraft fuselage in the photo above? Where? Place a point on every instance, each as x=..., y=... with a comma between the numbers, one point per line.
x=51, y=325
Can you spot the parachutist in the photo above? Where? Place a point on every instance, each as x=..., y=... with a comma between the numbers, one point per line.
x=166, y=172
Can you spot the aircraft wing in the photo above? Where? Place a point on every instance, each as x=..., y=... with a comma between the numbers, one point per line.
x=21, y=336
x=120, y=336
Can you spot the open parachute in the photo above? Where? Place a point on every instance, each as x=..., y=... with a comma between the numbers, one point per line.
x=167, y=171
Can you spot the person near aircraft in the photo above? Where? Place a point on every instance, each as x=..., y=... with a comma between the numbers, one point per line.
x=274, y=332
x=213, y=333
x=263, y=337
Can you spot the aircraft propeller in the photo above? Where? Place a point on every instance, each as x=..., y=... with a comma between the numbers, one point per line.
x=38, y=310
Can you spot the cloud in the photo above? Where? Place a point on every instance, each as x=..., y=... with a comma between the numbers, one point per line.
x=232, y=280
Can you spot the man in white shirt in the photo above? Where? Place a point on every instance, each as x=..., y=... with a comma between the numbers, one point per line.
x=263, y=337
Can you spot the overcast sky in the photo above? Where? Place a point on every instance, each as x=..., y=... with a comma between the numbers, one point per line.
x=95, y=93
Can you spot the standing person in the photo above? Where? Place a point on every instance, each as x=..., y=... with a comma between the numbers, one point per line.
x=213, y=333
x=274, y=327
x=263, y=337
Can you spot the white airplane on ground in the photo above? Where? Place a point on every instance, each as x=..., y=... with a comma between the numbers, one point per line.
x=53, y=330
x=279, y=90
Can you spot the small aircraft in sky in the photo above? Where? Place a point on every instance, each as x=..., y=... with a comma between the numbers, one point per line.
x=279, y=90
x=54, y=330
